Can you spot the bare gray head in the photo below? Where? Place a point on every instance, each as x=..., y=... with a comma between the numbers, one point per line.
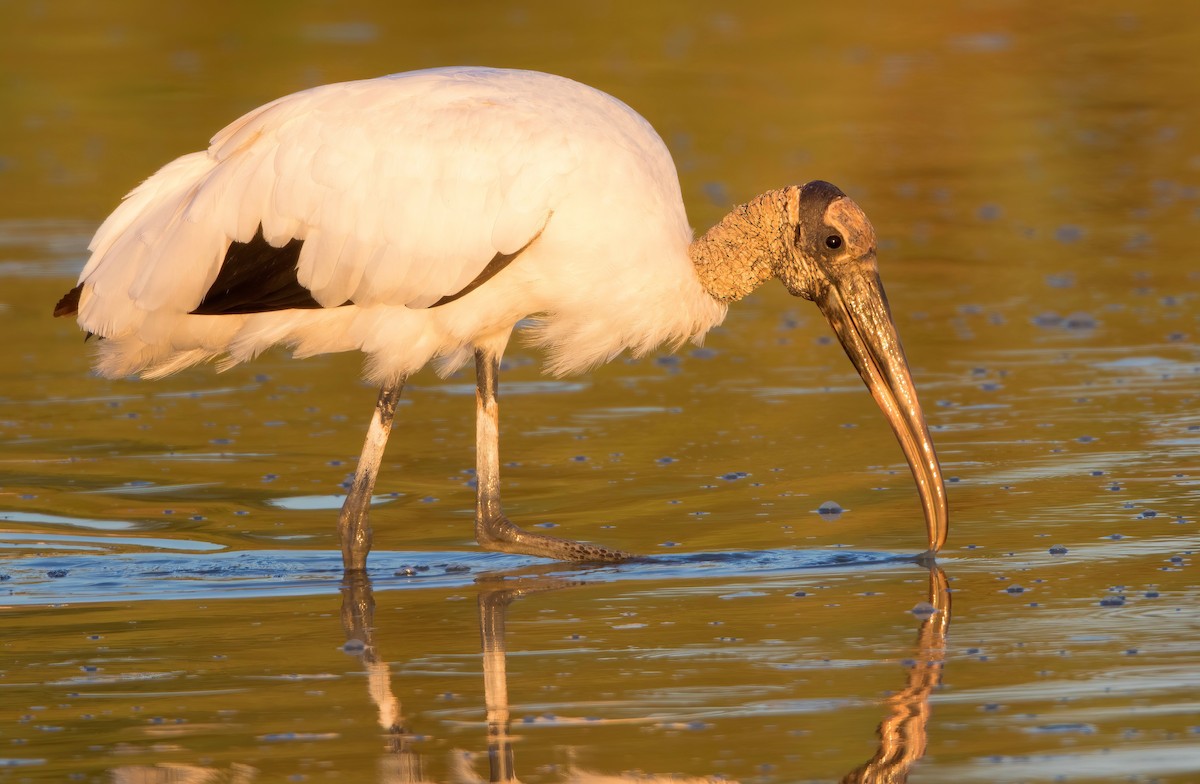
x=831, y=236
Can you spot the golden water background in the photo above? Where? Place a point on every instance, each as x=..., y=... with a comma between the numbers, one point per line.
x=1033, y=173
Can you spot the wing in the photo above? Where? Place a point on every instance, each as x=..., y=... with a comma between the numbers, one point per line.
x=395, y=191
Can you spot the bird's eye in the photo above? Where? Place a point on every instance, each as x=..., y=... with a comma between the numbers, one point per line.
x=833, y=242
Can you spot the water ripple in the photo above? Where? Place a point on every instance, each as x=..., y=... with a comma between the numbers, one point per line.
x=70, y=579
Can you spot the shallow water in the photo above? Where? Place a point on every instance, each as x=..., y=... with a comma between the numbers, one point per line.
x=170, y=588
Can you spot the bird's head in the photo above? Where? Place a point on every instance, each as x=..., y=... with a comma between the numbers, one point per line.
x=831, y=261
x=830, y=237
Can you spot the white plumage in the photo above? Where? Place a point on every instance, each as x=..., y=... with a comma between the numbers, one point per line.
x=402, y=189
x=422, y=216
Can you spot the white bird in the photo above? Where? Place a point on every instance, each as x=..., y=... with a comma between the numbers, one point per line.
x=422, y=216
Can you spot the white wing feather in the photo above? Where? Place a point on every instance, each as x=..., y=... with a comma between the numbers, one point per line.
x=402, y=189
x=395, y=187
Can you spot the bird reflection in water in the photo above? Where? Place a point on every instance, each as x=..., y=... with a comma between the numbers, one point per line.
x=902, y=733
x=401, y=763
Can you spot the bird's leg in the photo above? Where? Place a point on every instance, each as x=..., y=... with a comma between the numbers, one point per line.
x=354, y=527
x=492, y=529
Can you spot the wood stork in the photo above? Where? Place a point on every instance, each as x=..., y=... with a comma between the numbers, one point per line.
x=422, y=216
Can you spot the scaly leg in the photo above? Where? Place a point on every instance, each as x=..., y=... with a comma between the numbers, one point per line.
x=492, y=529
x=354, y=527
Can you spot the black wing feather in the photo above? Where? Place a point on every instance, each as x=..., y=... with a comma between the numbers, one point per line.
x=257, y=277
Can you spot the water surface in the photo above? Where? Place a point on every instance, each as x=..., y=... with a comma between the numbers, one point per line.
x=169, y=582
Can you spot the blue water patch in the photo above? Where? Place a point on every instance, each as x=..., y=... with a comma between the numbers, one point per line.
x=139, y=576
x=78, y=522
x=313, y=502
x=10, y=540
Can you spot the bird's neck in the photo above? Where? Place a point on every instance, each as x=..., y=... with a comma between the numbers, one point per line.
x=737, y=255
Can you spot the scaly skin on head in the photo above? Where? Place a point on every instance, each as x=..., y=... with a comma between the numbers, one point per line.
x=740, y=253
x=782, y=234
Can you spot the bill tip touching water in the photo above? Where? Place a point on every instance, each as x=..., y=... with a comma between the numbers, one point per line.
x=421, y=217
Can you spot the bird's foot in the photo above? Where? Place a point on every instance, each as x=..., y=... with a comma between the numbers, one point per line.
x=497, y=532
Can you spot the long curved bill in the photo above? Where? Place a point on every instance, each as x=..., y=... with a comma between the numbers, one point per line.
x=857, y=309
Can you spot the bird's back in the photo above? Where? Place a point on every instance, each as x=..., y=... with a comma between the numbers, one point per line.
x=397, y=193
